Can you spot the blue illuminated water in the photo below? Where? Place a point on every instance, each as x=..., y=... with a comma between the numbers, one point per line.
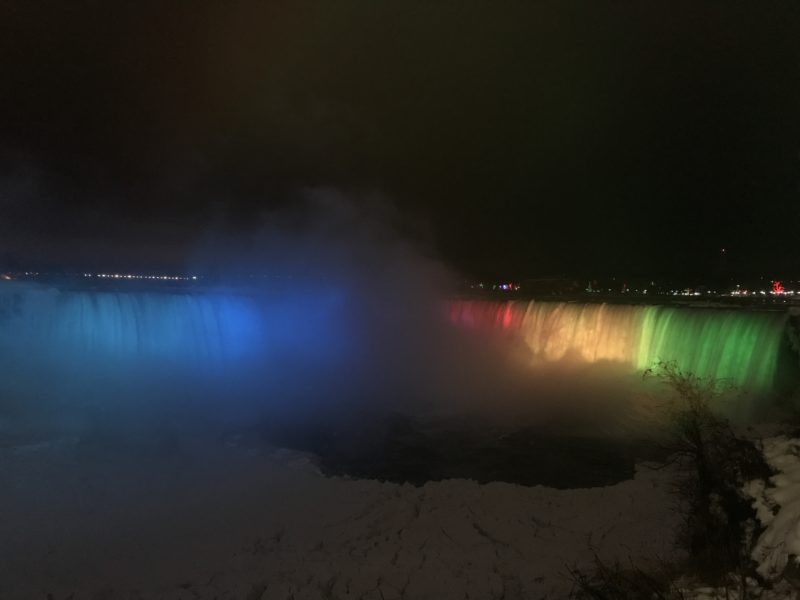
x=149, y=348
x=307, y=349
x=201, y=330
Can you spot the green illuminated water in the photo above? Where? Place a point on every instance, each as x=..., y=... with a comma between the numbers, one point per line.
x=731, y=346
x=736, y=347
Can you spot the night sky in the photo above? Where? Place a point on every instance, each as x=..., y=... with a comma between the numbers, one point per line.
x=519, y=138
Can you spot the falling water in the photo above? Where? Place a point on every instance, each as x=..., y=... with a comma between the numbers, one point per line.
x=123, y=335
x=738, y=347
x=115, y=327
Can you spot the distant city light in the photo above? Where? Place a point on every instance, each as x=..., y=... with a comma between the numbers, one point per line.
x=139, y=276
x=505, y=287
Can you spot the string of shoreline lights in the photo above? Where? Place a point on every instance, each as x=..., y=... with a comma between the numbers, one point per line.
x=775, y=287
x=137, y=276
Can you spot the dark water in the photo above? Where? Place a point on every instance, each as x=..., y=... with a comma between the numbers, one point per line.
x=402, y=449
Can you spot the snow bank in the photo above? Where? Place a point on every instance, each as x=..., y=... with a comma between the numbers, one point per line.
x=777, y=505
x=231, y=522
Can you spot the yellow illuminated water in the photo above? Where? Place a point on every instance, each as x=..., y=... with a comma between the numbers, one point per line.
x=737, y=347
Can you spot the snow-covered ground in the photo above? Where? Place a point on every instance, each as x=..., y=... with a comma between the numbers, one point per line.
x=777, y=505
x=236, y=521
x=776, y=551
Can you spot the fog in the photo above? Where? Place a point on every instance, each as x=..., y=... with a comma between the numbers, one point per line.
x=148, y=432
x=324, y=312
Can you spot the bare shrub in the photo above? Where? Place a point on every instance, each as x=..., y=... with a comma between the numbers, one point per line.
x=623, y=582
x=720, y=522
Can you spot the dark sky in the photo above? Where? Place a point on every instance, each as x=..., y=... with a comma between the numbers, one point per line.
x=532, y=138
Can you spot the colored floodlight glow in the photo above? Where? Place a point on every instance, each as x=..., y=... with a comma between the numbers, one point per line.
x=187, y=329
x=735, y=347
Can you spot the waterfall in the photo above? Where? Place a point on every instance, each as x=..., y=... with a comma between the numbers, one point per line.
x=83, y=333
x=734, y=346
x=151, y=352
x=115, y=327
